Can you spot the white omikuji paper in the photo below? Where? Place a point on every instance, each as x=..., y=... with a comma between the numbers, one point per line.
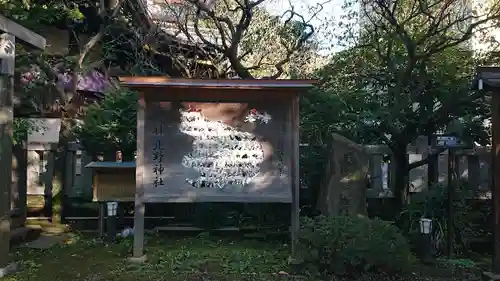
x=222, y=154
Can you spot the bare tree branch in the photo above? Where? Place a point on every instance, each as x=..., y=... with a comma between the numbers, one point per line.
x=113, y=12
x=232, y=22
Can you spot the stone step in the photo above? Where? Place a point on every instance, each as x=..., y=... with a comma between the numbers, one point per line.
x=24, y=234
x=46, y=241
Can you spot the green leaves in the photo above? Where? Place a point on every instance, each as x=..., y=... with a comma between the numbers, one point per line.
x=33, y=13
x=409, y=70
x=110, y=125
x=350, y=245
x=174, y=259
x=22, y=128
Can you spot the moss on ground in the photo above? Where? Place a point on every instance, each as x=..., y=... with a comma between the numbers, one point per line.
x=173, y=259
x=199, y=258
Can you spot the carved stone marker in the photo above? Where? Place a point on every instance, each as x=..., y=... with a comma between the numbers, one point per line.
x=343, y=190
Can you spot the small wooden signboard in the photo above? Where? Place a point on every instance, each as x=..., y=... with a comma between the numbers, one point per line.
x=113, y=181
x=216, y=141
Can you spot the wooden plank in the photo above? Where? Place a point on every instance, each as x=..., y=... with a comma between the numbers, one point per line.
x=101, y=219
x=192, y=228
x=95, y=182
x=215, y=95
x=473, y=174
x=392, y=174
x=383, y=149
x=452, y=183
x=164, y=82
x=7, y=55
x=126, y=217
x=376, y=172
x=85, y=177
x=74, y=146
x=481, y=150
x=140, y=208
x=49, y=156
x=22, y=33
x=68, y=176
x=295, y=175
x=19, y=174
x=495, y=128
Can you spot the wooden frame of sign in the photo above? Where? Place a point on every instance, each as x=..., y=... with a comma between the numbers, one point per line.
x=488, y=80
x=216, y=141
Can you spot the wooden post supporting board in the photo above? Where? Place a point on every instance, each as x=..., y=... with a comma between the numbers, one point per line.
x=9, y=31
x=139, y=207
x=249, y=114
x=488, y=78
x=495, y=127
x=69, y=174
x=295, y=177
x=452, y=182
x=7, y=55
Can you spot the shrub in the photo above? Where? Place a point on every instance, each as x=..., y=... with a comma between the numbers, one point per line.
x=110, y=125
x=469, y=217
x=350, y=245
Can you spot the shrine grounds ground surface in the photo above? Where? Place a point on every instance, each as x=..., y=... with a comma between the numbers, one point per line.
x=195, y=258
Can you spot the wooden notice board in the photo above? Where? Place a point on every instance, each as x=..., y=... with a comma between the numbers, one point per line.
x=215, y=144
x=216, y=152
x=216, y=141
x=113, y=181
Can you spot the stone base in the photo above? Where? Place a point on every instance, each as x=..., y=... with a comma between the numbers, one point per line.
x=138, y=260
x=489, y=276
x=9, y=269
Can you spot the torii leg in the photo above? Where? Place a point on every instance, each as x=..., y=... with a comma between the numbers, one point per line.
x=7, y=59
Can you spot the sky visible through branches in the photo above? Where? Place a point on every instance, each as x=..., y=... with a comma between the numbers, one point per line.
x=324, y=22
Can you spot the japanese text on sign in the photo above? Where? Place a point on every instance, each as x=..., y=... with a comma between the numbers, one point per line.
x=158, y=155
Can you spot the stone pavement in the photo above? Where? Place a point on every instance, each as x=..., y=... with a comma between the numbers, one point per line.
x=46, y=241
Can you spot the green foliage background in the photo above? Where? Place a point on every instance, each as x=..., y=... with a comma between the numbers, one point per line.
x=110, y=125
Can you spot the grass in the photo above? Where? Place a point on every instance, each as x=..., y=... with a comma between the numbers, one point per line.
x=199, y=258
x=172, y=259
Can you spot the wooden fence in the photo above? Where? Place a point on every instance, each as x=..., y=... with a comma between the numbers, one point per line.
x=473, y=168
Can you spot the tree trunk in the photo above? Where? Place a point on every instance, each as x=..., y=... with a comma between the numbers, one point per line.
x=401, y=184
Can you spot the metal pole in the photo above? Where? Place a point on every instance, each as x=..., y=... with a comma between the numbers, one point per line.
x=111, y=221
x=426, y=247
x=425, y=236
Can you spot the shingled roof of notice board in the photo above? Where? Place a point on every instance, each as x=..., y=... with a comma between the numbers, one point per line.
x=243, y=84
x=110, y=165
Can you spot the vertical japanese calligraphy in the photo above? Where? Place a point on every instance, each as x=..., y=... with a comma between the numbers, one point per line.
x=158, y=154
